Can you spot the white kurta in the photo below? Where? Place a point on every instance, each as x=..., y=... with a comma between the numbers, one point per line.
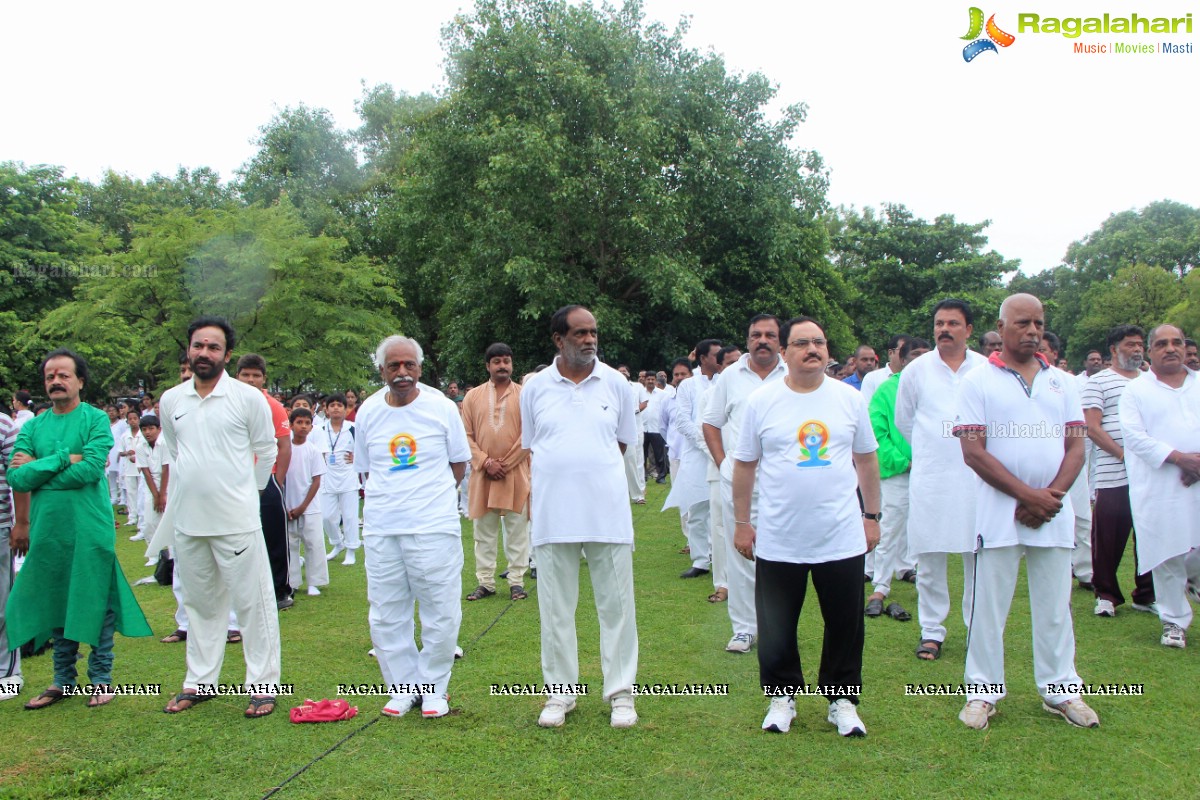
x=1156, y=419
x=690, y=486
x=941, y=511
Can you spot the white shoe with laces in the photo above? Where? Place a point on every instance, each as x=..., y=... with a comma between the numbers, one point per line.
x=554, y=713
x=780, y=715
x=740, y=643
x=1145, y=608
x=1173, y=636
x=623, y=714
x=844, y=715
x=400, y=705
x=1076, y=712
x=1104, y=608
x=976, y=713
x=435, y=705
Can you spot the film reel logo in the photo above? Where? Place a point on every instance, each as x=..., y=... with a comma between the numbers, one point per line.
x=994, y=37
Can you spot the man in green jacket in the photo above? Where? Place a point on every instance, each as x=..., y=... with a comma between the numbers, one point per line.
x=895, y=458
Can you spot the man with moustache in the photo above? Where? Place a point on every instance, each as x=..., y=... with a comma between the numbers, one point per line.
x=491, y=414
x=1112, y=517
x=1021, y=428
x=1160, y=419
x=410, y=442
x=655, y=446
x=722, y=420
x=1192, y=355
x=577, y=419
x=70, y=587
x=221, y=446
x=925, y=409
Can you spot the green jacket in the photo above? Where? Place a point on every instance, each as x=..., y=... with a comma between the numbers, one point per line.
x=895, y=453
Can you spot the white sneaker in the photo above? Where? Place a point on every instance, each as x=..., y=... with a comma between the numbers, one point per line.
x=458, y=652
x=151, y=562
x=780, y=715
x=371, y=653
x=844, y=715
x=435, y=705
x=623, y=714
x=11, y=687
x=337, y=548
x=1076, y=712
x=1145, y=608
x=1173, y=635
x=976, y=713
x=137, y=537
x=400, y=705
x=740, y=643
x=1104, y=608
x=554, y=713
x=349, y=561
x=313, y=591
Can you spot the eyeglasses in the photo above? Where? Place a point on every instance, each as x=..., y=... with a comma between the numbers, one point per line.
x=802, y=343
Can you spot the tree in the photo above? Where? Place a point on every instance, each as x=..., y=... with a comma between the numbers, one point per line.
x=900, y=266
x=119, y=201
x=581, y=155
x=316, y=314
x=1164, y=234
x=1137, y=295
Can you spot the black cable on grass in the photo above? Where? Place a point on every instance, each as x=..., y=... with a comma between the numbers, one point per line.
x=352, y=734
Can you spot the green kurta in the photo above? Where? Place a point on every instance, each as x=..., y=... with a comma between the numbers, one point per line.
x=71, y=576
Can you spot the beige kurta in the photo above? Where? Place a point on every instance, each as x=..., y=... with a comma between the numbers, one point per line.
x=493, y=424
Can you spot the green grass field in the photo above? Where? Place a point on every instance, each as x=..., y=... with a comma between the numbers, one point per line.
x=700, y=746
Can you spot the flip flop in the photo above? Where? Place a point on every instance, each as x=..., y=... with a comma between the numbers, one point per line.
x=930, y=647
x=191, y=698
x=517, y=593
x=102, y=695
x=233, y=637
x=51, y=696
x=897, y=612
x=256, y=705
x=874, y=607
x=719, y=596
x=177, y=636
x=480, y=593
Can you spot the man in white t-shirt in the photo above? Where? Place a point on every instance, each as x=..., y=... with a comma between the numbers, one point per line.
x=1021, y=429
x=635, y=462
x=810, y=441
x=339, y=488
x=410, y=442
x=1160, y=419
x=722, y=423
x=577, y=419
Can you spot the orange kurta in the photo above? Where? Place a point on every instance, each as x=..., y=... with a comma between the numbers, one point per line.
x=493, y=424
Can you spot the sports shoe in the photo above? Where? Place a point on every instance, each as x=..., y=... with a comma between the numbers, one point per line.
x=1104, y=608
x=780, y=715
x=313, y=591
x=1076, y=712
x=976, y=713
x=371, y=653
x=349, y=560
x=1145, y=608
x=844, y=715
x=137, y=537
x=284, y=603
x=337, y=548
x=435, y=705
x=400, y=705
x=554, y=713
x=740, y=643
x=623, y=715
x=458, y=652
x=1173, y=635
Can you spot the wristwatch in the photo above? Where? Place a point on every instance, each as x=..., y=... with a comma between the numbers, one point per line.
x=876, y=517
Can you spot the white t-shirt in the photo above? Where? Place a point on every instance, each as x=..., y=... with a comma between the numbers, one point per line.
x=577, y=470
x=408, y=452
x=151, y=458
x=307, y=463
x=1025, y=431
x=129, y=441
x=804, y=443
x=729, y=395
x=336, y=448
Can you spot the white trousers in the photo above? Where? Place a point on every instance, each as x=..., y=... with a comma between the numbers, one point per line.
x=635, y=469
x=1081, y=556
x=611, y=570
x=217, y=573
x=933, y=593
x=181, y=617
x=698, y=531
x=739, y=570
x=307, y=530
x=464, y=491
x=516, y=547
x=1049, y=575
x=891, y=554
x=720, y=533
x=131, y=496
x=114, y=487
x=144, y=504
x=425, y=569
x=1170, y=587
x=339, y=512
x=10, y=660
x=673, y=464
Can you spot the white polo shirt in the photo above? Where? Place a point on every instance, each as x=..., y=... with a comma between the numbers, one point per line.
x=212, y=444
x=577, y=471
x=151, y=457
x=728, y=399
x=804, y=444
x=1026, y=429
x=408, y=452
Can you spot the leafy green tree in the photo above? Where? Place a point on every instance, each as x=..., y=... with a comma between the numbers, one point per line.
x=581, y=155
x=1136, y=295
x=119, y=201
x=900, y=266
x=1164, y=234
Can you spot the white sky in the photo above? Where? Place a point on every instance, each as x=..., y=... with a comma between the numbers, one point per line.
x=1044, y=142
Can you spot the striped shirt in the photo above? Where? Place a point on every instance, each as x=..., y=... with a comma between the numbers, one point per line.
x=1103, y=391
x=8, y=438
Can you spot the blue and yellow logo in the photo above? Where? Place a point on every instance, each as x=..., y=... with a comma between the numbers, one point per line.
x=814, y=441
x=403, y=449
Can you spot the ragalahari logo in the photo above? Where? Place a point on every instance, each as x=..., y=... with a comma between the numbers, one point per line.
x=995, y=36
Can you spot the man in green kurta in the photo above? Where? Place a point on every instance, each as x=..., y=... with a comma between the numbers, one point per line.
x=71, y=586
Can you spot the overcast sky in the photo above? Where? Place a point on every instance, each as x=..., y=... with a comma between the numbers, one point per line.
x=1044, y=142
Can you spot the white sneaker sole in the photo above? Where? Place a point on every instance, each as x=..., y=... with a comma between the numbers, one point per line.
x=1063, y=714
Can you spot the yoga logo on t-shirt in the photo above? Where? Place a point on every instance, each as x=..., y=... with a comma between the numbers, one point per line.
x=814, y=438
x=403, y=448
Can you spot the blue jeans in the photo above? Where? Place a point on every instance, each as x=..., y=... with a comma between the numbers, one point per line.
x=100, y=660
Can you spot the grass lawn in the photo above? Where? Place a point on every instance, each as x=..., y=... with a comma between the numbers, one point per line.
x=702, y=746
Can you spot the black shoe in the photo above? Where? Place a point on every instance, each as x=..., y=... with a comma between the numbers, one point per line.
x=533, y=573
x=694, y=572
x=503, y=575
x=867, y=578
x=909, y=576
x=1087, y=587
x=660, y=480
x=285, y=603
